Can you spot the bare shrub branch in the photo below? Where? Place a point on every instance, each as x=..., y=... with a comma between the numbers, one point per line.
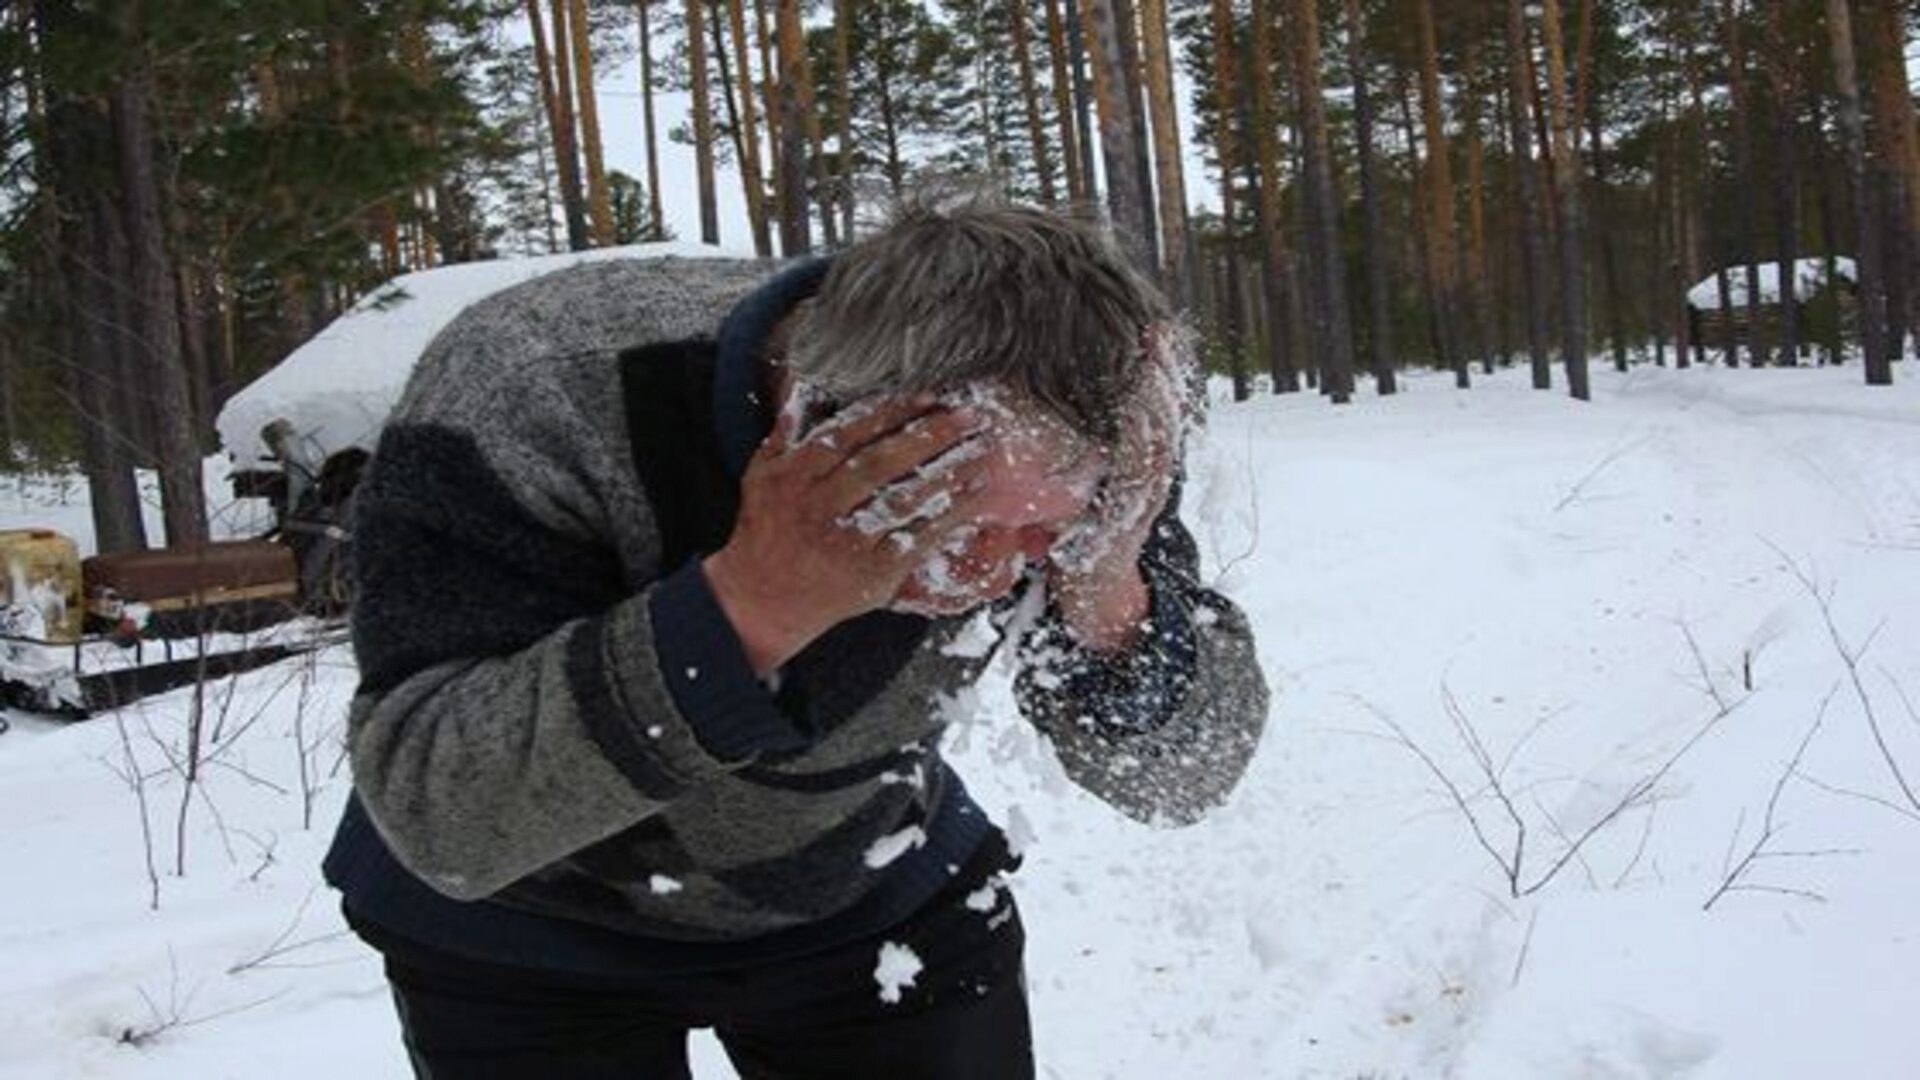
x=136, y=781
x=176, y=1013
x=1850, y=658
x=274, y=952
x=1509, y=851
x=1619, y=451
x=1735, y=879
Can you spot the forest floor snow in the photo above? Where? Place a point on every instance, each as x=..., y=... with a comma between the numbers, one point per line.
x=1585, y=591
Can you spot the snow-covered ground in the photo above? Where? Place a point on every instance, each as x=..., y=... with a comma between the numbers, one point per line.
x=1497, y=561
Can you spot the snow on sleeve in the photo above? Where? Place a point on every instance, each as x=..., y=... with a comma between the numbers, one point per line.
x=898, y=967
x=890, y=847
x=662, y=885
x=976, y=640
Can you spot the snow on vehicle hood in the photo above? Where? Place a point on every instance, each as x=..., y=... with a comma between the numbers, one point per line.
x=338, y=389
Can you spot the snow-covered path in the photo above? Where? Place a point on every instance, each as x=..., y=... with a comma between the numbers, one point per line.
x=1540, y=562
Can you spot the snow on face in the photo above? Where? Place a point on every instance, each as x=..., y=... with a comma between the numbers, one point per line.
x=1040, y=476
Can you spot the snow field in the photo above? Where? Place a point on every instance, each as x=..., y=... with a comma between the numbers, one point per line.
x=1533, y=558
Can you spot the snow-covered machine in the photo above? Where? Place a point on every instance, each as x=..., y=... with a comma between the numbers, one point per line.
x=81, y=635
x=78, y=636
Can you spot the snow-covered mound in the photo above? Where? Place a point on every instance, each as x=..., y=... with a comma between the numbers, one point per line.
x=1809, y=277
x=337, y=389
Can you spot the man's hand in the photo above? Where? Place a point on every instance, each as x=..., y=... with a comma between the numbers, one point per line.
x=830, y=525
x=1094, y=573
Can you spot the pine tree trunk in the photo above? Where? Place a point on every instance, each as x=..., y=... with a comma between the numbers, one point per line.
x=1063, y=103
x=1897, y=148
x=992, y=161
x=1832, y=234
x=77, y=139
x=1419, y=208
x=1082, y=100
x=190, y=314
x=1873, y=301
x=154, y=307
x=599, y=207
x=1379, y=355
x=1567, y=168
x=1477, y=273
x=746, y=126
x=1276, y=260
x=1226, y=103
x=1686, y=264
x=1440, y=236
x=90, y=241
x=1679, y=265
x=557, y=87
x=1609, y=254
x=843, y=91
x=543, y=153
x=1786, y=210
x=763, y=37
x=1126, y=22
x=1333, y=332
x=1896, y=257
x=795, y=236
x=556, y=95
x=819, y=175
x=768, y=88
x=1895, y=104
x=1170, y=171
x=1698, y=180
x=1748, y=226
x=1126, y=200
x=656, y=223
x=9, y=428
x=892, y=165
x=1722, y=276
x=1018, y=17
x=1533, y=227
x=1663, y=277
x=702, y=122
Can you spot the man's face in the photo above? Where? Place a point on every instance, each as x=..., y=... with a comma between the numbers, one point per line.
x=1040, y=475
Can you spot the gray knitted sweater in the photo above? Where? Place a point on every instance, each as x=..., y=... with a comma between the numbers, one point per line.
x=556, y=735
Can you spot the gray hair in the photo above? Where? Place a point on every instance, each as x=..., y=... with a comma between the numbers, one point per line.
x=985, y=290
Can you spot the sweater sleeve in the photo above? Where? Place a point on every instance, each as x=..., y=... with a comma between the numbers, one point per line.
x=1164, y=731
x=519, y=701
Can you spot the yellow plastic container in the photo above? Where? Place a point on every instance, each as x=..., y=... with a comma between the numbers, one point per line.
x=40, y=569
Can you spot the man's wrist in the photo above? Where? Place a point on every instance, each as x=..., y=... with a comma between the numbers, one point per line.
x=766, y=643
x=1107, y=617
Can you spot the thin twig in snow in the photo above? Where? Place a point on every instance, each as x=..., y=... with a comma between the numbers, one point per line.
x=1618, y=452
x=1734, y=879
x=1640, y=849
x=1850, y=658
x=1905, y=701
x=280, y=945
x=1512, y=861
x=137, y=780
x=1553, y=823
x=1863, y=796
x=1700, y=665
x=1526, y=945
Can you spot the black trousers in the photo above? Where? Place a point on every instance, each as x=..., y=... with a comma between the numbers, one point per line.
x=838, y=1015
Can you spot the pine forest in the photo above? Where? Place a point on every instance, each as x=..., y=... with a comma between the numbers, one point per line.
x=1334, y=192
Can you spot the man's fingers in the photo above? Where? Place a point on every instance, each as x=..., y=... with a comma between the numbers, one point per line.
x=909, y=504
x=859, y=424
x=898, y=456
x=962, y=511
